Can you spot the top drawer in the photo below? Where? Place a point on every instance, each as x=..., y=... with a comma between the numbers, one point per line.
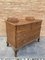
x=26, y=27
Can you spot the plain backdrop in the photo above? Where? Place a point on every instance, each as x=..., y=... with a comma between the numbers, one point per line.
x=21, y=9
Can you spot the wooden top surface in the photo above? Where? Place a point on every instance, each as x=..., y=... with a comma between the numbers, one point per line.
x=22, y=21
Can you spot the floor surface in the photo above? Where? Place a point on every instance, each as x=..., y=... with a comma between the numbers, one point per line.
x=36, y=49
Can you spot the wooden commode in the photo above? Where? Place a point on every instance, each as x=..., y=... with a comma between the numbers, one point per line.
x=21, y=32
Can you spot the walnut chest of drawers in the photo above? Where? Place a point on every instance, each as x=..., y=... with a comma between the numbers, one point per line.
x=22, y=32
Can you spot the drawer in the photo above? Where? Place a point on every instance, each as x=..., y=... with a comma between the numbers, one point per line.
x=23, y=27
x=23, y=34
x=28, y=40
x=24, y=41
x=36, y=25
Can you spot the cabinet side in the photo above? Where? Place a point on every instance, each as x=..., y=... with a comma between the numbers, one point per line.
x=10, y=29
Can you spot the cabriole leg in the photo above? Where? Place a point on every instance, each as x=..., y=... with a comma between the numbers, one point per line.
x=7, y=44
x=39, y=39
x=16, y=53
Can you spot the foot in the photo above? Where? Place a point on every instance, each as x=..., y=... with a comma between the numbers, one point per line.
x=7, y=44
x=38, y=39
x=16, y=53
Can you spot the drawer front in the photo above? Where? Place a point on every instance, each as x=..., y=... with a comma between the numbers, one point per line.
x=24, y=41
x=36, y=25
x=22, y=38
x=23, y=34
x=23, y=27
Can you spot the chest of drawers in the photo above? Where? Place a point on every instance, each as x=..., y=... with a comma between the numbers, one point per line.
x=22, y=32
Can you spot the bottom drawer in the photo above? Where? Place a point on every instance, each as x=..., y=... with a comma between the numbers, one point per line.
x=25, y=41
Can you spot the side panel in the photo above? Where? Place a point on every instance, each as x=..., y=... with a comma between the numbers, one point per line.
x=10, y=33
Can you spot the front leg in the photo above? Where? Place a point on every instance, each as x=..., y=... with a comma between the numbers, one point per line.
x=39, y=39
x=7, y=44
x=16, y=53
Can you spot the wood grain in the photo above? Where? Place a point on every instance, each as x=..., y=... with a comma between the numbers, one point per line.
x=19, y=35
